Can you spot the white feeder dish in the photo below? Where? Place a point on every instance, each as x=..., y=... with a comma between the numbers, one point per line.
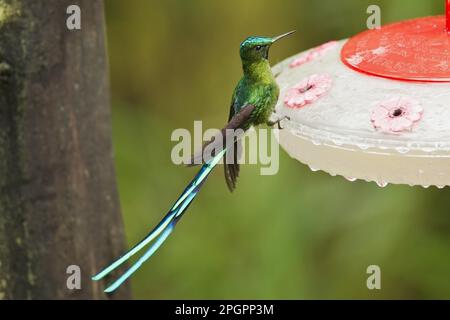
x=335, y=133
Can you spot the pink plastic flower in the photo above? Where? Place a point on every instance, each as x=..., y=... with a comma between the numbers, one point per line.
x=307, y=91
x=396, y=114
x=313, y=54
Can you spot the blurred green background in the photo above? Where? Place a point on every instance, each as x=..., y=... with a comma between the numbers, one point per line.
x=296, y=235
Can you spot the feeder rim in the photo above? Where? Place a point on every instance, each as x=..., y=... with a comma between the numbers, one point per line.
x=354, y=140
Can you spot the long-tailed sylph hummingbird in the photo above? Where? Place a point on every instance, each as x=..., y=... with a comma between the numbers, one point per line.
x=252, y=104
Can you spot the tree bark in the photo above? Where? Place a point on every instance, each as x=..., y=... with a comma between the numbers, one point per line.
x=58, y=197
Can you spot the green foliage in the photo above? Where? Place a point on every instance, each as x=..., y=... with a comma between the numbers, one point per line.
x=294, y=235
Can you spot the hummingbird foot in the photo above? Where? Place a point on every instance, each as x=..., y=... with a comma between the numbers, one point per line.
x=277, y=122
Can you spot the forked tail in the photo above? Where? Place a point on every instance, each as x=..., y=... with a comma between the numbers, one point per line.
x=162, y=231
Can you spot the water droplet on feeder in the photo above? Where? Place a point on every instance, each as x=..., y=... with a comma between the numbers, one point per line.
x=363, y=146
x=402, y=150
x=382, y=184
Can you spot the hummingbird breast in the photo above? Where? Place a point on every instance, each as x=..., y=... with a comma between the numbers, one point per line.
x=264, y=97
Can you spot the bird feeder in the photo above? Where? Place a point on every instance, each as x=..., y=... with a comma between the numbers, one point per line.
x=374, y=107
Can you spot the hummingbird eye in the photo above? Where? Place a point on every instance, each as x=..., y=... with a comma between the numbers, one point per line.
x=257, y=48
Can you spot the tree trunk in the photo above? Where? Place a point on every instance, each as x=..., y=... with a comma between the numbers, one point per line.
x=58, y=198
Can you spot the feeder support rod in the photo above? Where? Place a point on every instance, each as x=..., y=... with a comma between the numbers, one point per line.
x=447, y=10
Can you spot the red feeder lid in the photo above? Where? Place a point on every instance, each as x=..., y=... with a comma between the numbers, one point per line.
x=412, y=50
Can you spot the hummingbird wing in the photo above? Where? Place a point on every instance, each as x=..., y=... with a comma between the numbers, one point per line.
x=231, y=166
x=227, y=137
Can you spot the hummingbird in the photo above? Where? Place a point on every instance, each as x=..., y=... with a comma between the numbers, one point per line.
x=253, y=104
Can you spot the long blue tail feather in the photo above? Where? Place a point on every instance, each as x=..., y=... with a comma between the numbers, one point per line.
x=162, y=231
x=142, y=259
x=154, y=247
x=149, y=238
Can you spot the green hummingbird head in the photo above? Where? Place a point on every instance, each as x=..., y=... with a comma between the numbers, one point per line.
x=257, y=48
